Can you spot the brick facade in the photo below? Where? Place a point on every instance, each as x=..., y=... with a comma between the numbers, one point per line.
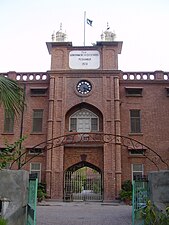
x=107, y=100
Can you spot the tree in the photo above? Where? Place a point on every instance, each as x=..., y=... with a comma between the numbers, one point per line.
x=11, y=96
x=11, y=153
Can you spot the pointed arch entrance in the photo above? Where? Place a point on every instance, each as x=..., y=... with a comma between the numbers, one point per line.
x=83, y=182
x=99, y=139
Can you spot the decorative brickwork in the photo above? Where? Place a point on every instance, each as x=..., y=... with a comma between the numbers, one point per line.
x=107, y=101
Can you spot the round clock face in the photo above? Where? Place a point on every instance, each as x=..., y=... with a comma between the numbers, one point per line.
x=84, y=87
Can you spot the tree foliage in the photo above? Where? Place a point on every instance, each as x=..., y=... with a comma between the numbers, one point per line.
x=153, y=216
x=10, y=153
x=11, y=96
x=3, y=221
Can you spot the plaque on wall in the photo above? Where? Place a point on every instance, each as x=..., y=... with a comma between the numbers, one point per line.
x=84, y=59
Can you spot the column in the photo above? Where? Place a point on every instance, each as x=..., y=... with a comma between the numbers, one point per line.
x=50, y=136
x=117, y=133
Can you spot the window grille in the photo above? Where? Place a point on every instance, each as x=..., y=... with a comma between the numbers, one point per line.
x=73, y=124
x=37, y=120
x=38, y=91
x=8, y=123
x=35, y=168
x=84, y=121
x=137, y=171
x=167, y=91
x=136, y=151
x=134, y=91
x=94, y=124
x=36, y=151
x=135, y=121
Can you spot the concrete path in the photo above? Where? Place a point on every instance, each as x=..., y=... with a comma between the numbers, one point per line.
x=61, y=213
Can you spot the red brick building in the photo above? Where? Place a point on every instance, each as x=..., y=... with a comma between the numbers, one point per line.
x=107, y=120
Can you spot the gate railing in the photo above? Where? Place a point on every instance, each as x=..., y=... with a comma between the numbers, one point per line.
x=140, y=196
x=32, y=199
x=81, y=187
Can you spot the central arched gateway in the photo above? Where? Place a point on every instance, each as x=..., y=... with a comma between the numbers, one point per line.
x=83, y=182
x=66, y=183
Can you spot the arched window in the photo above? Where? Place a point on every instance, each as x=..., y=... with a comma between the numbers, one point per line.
x=84, y=121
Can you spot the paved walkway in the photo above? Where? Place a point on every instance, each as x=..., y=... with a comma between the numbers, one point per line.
x=61, y=213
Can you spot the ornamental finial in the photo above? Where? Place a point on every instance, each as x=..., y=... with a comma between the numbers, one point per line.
x=107, y=35
x=60, y=36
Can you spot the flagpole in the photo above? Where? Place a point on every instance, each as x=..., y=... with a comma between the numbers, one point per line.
x=84, y=26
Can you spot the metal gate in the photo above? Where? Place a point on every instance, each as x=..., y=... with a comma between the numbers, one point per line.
x=139, y=200
x=84, y=184
x=32, y=199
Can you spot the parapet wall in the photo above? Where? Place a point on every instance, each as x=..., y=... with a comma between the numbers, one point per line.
x=159, y=188
x=13, y=195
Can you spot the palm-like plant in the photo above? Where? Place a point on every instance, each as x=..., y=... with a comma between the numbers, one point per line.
x=11, y=96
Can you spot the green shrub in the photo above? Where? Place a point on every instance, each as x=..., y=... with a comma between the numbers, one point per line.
x=127, y=185
x=125, y=195
x=153, y=216
x=3, y=221
x=126, y=191
x=41, y=192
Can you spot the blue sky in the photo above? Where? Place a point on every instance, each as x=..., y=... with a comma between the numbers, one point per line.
x=26, y=25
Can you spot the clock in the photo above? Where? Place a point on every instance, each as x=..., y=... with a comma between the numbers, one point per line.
x=84, y=87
